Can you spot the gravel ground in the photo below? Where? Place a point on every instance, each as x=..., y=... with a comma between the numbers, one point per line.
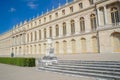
x=8, y=72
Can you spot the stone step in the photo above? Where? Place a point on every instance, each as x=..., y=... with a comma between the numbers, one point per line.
x=88, y=67
x=87, y=70
x=80, y=73
x=101, y=63
x=93, y=65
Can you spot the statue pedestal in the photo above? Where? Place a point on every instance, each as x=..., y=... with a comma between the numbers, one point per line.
x=49, y=58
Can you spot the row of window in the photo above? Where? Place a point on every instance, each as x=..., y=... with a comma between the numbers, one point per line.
x=72, y=24
x=71, y=8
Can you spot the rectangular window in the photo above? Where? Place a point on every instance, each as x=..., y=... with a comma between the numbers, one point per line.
x=63, y=12
x=39, y=34
x=56, y=15
x=71, y=9
x=91, y=2
x=44, y=19
x=80, y=5
x=50, y=17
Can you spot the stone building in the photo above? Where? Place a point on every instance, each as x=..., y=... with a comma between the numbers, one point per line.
x=78, y=29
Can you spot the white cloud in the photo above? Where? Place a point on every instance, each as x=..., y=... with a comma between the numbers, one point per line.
x=32, y=5
x=12, y=10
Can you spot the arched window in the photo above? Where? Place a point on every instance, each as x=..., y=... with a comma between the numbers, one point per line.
x=57, y=47
x=35, y=35
x=72, y=27
x=31, y=49
x=44, y=48
x=73, y=46
x=82, y=24
x=57, y=30
x=83, y=45
x=64, y=29
x=116, y=41
x=94, y=44
x=50, y=31
x=39, y=48
x=27, y=37
x=44, y=33
x=93, y=22
x=64, y=47
x=39, y=34
x=35, y=49
x=31, y=36
x=115, y=15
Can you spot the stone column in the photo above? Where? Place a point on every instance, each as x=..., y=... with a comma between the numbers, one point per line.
x=53, y=31
x=98, y=14
x=105, y=16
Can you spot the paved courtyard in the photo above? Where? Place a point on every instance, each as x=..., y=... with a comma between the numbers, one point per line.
x=8, y=72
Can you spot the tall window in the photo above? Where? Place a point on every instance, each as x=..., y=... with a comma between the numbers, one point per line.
x=31, y=37
x=50, y=17
x=50, y=31
x=91, y=2
x=72, y=27
x=80, y=5
x=44, y=33
x=64, y=29
x=93, y=22
x=83, y=45
x=115, y=15
x=44, y=19
x=63, y=12
x=39, y=34
x=71, y=9
x=39, y=21
x=27, y=37
x=35, y=35
x=56, y=15
x=57, y=30
x=82, y=24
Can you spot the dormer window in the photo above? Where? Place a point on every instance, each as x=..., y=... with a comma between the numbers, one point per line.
x=44, y=19
x=63, y=12
x=50, y=17
x=80, y=5
x=39, y=21
x=91, y=2
x=56, y=15
x=71, y=9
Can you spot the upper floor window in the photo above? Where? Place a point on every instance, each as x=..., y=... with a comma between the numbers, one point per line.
x=50, y=17
x=63, y=12
x=91, y=2
x=50, y=32
x=31, y=37
x=71, y=9
x=56, y=15
x=39, y=34
x=35, y=35
x=64, y=28
x=82, y=24
x=115, y=15
x=93, y=21
x=44, y=33
x=44, y=19
x=57, y=30
x=80, y=5
x=35, y=23
x=27, y=37
x=72, y=27
x=39, y=21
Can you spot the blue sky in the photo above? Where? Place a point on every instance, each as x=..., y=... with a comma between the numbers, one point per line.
x=13, y=12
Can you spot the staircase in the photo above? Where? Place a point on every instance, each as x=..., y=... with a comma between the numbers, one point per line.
x=109, y=70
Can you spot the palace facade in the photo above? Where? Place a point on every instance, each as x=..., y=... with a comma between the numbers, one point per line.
x=79, y=27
